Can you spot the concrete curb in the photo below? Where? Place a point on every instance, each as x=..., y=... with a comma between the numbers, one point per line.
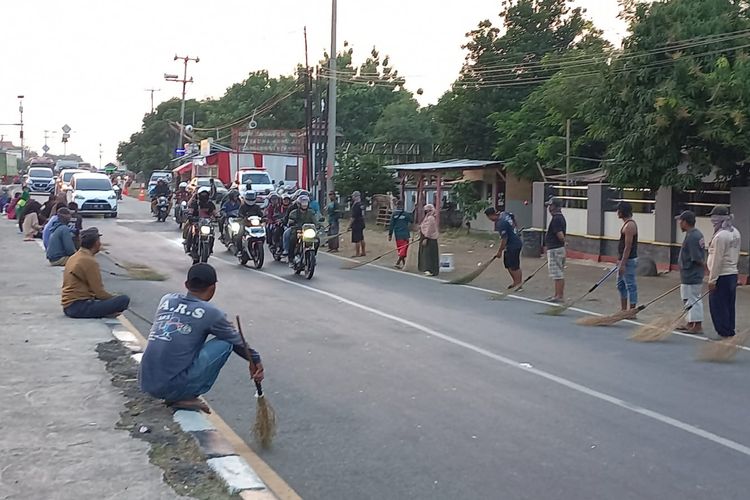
x=237, y=474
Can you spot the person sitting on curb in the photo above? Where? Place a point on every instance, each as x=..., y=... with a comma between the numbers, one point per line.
x=83, y=294
x=178, y=364
x=60, y=246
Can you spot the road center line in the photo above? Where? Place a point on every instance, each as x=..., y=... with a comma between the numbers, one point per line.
x=677, y=424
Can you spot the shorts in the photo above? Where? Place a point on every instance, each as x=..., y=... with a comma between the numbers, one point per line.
x=556, y=263
x=512, y=259
x=358, y=234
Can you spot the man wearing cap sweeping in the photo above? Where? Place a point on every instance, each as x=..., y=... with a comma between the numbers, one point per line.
x=83, y=294
x=178, y=364
x=723, y=257
x=692, y=262
x=357, y=225
x=554, y=241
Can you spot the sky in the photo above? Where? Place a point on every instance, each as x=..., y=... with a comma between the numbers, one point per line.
x=88, y=63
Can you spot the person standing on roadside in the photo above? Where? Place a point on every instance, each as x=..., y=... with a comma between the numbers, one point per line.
x=429, y=249
x=357, y=225
x=83, y=293
x=510, y=244
x=692, y=262
x=723, y=257
x=627, y=252
x=179, y=365
x=399, y=226
x=333, y=211
x=554, y=241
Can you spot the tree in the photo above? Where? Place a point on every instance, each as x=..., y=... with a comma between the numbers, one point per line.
x=363, y=173
x=664, y=107
x=403, y=121
x=469, y=199
x=496, y=65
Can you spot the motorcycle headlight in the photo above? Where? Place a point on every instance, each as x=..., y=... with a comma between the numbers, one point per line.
x=309, y=234
x=205, y=230
x=254, y=221
x=235, y=227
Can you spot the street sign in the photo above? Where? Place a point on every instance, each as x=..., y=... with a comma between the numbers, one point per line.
x=45, y=148
x=179, y=152
x=66, y=128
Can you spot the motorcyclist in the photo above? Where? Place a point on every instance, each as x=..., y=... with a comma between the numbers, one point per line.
x=249, y=208
x=274, y=213
x=182, y=194
x=230, y=207
x=161, y=189
x=300, y=216
x=200, y=207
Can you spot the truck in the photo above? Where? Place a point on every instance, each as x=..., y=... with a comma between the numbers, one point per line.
x=8, y=166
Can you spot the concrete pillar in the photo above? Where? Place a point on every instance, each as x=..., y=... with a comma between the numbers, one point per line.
x=438, y=197
x=538, y=209
x=598, y=202
x=740, y=201
x=664, y=214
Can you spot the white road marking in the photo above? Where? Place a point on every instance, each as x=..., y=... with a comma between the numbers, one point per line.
x=677, y=424
x=519, y=297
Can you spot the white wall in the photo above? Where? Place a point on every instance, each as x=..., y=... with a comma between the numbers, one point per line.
x=702, y=223
x=646, y=226
x=576, y=219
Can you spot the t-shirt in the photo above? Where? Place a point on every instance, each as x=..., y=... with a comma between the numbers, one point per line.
x=556, y=224
x=692, y=258
x=182, y=325
x=358, y=216
x=504, y=226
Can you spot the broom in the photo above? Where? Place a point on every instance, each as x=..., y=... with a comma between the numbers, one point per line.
x=724, y=350
x=465, y=280
x=264, y=428
x=662, y=328
x=558, y=310
x=504, y=295
x=354, y=265
x=621, y=315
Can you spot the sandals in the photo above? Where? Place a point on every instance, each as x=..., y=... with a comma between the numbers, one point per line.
x=189, y=405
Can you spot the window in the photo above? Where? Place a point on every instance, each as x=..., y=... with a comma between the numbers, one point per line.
x=291, y=173
x=41, y=173
x=256, y=178
x=93, y=184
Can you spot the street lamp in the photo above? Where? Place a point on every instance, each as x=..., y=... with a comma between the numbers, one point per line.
x=20, y=110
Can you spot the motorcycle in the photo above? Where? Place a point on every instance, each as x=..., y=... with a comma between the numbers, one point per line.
x=118, y=191
x=203, y=242
x=306, y=252
x=230, y=230
x=275, y=232
x=253, y=241
x=162, y=209
x=179, y=213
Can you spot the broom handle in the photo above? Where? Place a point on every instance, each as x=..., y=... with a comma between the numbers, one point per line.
x=534, y=273
x=387, y=253
x=657, y=299
x=688, y=308
x=258, y=386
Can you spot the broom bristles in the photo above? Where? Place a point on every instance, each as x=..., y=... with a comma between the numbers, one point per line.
x=655, y=331
x=608, y=320
x=465, y=280
x=723, y=351
x=556, y=310
x=264, y=428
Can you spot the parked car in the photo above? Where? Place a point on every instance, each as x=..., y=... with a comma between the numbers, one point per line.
x=40, y=180
x=197, y=182
x=94, y=194
x=63, y=180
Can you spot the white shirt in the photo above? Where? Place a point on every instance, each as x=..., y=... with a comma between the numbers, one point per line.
x=723, y=254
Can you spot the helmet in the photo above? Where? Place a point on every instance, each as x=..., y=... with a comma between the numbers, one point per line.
x=303, y=201
x=204, y=192
x=274, y=197
x=251, y=197
x=286, y=197
x=234, y=194
x=183, y=185
x=160, y=180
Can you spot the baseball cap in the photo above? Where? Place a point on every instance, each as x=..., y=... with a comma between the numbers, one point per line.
x=201, y=276
x=720, y=210
x=554, y=202
x=90, y=234
x=356, y=194
x=687, y=216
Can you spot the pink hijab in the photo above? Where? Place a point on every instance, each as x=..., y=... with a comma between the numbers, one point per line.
x=429, y=226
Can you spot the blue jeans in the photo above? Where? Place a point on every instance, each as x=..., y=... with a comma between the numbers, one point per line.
x=199, y=377
x=97, y=308
x=287, y=239
x=626, y=283
x=721, y=303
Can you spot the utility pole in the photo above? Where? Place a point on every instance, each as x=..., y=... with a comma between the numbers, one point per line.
x=567, y=152
x=152, y=98
x=23, y=149
x=331, y=148
x=100, y=157
x=184, y=81
x=47, y=134
x=308, y=126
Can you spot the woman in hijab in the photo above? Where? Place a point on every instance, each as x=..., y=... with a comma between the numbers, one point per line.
x=429, y=252
x=10, y=210
x=21, y=205
x=32, y=228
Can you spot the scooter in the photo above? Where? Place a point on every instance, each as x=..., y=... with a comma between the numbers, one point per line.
x=275, y=235
x=162, y=209
x=118, y=191
x=203, y=242
x=253, y=241
x=179, y=213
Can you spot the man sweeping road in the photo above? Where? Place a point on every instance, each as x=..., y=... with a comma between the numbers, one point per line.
x=510, y=244
x=399, y=227
x=723, y=257
x=628, y=255
x=554, y=241
x=178, y=364
x=692, y=261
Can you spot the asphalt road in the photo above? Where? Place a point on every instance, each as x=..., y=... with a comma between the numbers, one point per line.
x=395, y=386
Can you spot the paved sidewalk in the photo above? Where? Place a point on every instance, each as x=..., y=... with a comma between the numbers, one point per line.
x=59, y=411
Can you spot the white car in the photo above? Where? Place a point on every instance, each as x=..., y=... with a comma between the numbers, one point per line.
x=64, y=178
x=260, y=180
x=94, y=194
